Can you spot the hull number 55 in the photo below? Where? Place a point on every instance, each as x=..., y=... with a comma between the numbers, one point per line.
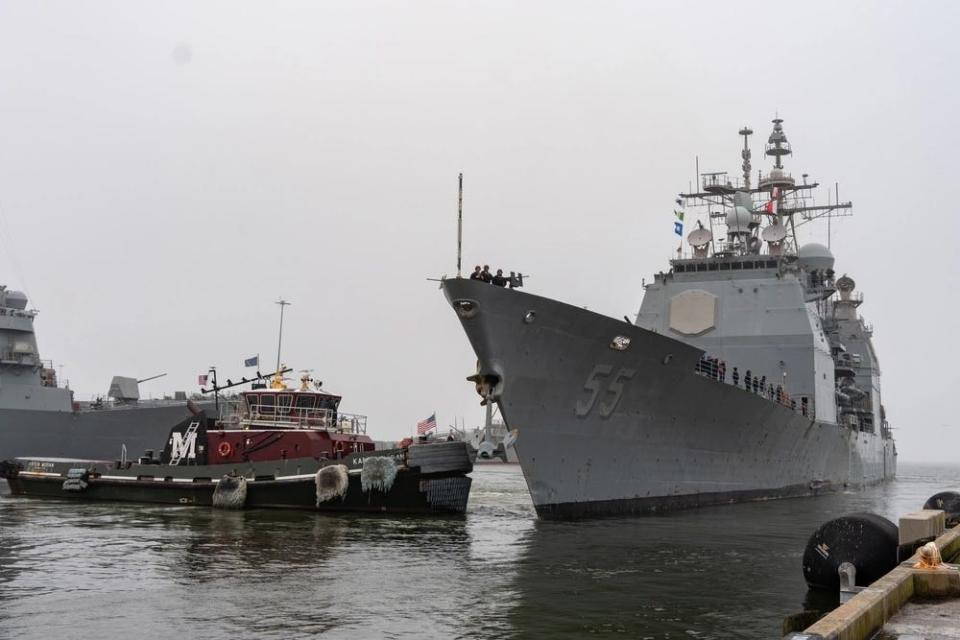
x=603, y=385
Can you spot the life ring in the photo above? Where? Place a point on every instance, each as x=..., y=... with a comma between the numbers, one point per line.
x=224, y=449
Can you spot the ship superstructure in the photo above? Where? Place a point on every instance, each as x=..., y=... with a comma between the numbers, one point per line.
x=758, y=300
x=26, y=381
x=38, y=414
x=748, y=373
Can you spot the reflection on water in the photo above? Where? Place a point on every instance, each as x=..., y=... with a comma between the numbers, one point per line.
x=71, y=570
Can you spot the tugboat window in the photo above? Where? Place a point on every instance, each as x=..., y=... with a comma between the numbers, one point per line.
x=284, y=402
x=266, y=403
x=306, y=402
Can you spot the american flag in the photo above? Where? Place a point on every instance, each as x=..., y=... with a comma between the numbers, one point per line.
x=202, y=380
x=426, y=425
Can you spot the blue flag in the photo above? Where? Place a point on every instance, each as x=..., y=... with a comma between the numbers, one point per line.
x=252, y=362
x=678, y=228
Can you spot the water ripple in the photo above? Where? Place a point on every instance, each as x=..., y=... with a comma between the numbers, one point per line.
x=73, y=569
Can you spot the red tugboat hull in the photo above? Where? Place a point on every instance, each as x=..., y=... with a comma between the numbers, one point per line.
x=421, y=479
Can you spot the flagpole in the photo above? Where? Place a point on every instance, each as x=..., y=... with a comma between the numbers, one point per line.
x=216, y=390
x=283, y=303
x=460, y=226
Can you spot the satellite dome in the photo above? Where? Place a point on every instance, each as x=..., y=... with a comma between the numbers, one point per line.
x=699, y=237
x=16, y=300
x=814, y=256
x=738, y=220
x=846, y=283
x=743, y=199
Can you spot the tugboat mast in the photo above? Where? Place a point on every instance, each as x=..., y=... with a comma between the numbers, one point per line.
x=283, y=303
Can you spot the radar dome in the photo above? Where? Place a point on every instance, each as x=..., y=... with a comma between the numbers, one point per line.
x=743, y=199
x=815, y=256
x=738, y=220
x=16, y=300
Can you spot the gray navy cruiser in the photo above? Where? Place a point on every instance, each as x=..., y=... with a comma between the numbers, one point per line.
x=748, y=374
x=38, y=416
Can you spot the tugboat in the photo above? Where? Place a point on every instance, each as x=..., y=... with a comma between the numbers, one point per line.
x=274, y=447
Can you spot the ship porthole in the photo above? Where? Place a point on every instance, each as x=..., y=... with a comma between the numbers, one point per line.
x=667, y=358
x=529, y=317
x=620, y=343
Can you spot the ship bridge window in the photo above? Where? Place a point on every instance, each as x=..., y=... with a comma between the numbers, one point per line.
x=701, y=267
x=267, y=401
x=284, y=401
x=306, y=402
x=713, y=266
x=725, y=266
x=736, y=265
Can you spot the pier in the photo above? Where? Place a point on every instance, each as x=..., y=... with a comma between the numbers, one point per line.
x=908, y=602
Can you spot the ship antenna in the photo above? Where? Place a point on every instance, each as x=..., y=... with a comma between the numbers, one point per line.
x=836, y=193
x=777, y=144
x=460, y=226
x=283, y=303
x=746, y=132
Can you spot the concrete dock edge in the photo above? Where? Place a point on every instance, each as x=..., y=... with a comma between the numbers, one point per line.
x=867, y=612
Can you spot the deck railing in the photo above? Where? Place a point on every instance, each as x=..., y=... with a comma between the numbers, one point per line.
x=261, y=416
x=719, y=371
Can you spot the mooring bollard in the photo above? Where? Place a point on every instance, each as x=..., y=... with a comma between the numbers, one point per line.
x=848, y=581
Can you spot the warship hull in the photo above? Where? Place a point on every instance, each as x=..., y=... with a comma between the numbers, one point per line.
x=607, y=431
x=98, y=434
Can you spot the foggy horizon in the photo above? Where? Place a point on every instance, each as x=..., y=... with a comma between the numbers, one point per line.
x=169, y=171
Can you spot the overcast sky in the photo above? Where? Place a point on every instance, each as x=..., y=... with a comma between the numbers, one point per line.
x=168, y=170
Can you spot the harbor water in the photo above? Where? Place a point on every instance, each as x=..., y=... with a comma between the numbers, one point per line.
x=105, y=570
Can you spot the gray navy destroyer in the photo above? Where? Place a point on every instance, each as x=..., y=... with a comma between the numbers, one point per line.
x=748, y=374
x=39, y=416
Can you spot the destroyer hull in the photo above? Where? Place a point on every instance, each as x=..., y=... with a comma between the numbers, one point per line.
x=87, y=434
x=603, y=431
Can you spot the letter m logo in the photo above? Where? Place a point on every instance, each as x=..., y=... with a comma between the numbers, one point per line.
x=183, y=445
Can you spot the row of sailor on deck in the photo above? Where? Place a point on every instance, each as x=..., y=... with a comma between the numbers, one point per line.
x=484, y=274
x=717, y=369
